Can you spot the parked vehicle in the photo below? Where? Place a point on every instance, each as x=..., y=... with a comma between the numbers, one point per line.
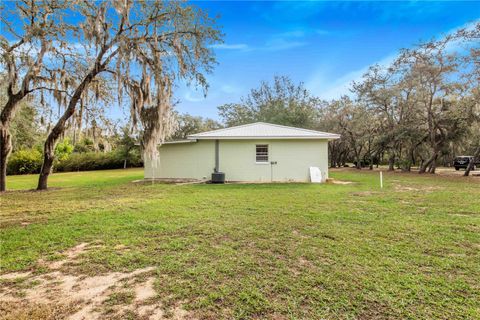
x=464, y=161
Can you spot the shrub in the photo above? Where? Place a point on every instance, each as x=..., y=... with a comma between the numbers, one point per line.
x=63, y=150
x=25, y=162
x=85, y=145
x=30, y=161
x=94, y=161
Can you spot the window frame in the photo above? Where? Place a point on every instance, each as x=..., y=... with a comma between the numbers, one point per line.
x=267, y=153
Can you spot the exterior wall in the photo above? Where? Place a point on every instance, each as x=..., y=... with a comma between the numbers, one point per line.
x=237, y=160
x=183, y=160
x=293, y=157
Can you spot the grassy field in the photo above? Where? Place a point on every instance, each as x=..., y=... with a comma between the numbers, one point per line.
x=277, y=251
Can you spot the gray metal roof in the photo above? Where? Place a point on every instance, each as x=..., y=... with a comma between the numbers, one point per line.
x=262, y=130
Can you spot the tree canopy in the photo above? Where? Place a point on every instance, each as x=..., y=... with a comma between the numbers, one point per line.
x=281, y=102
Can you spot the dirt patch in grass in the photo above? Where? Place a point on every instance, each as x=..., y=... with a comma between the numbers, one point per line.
x=335, y=181
x=26, y=310
x=464, y=213
x=14, y=275
x=87, y=294
x=365, y=193
x=60, y=295
x=426, y=189
x=168, y=181
x=70, y=256
x=145, y=291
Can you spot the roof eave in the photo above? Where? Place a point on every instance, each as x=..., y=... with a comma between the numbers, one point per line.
x=180, y=141
x=333, y=137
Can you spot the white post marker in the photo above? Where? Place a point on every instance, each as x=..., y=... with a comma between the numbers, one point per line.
x=381, y=180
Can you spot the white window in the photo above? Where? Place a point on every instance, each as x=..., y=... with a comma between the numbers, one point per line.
x=261, y=154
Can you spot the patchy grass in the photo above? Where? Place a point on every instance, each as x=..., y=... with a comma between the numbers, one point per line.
x=120, y=298
x=280, y=251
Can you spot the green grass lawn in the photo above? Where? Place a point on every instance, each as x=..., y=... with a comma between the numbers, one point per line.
x=278, y=251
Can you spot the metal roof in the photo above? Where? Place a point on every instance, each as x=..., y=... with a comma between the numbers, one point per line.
x=262, y=130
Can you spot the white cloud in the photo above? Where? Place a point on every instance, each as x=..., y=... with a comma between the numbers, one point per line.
x=230, y=89
x=321, y=83
x=280, y=41
x=194, y=96
x=282, y=44
x=293, y=34
x=272, y=44
x=237, y=46
x=300, y=33
x=291, y=39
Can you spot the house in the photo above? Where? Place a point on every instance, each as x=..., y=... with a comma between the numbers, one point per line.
x=257, y=152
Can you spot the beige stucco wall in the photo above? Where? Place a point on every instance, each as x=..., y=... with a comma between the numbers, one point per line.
x=237, y=160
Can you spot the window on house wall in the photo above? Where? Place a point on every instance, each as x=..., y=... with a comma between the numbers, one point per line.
x=261, y=154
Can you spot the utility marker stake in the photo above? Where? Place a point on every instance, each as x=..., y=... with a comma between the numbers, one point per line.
x=381, y=180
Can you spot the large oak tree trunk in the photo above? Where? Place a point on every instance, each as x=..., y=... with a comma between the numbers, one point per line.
x=59, y=129
x=6, y=117
x=5, y=149
x=48, y=158
x=476, y=156
x=50, y=143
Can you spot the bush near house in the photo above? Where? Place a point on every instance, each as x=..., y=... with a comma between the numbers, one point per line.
x=97, y=161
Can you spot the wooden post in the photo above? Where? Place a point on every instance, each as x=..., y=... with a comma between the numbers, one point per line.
x=381, y=180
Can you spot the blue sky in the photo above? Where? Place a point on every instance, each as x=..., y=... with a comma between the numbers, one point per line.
x=326, y=45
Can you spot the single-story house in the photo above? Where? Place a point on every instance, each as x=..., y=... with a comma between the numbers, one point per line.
x=257, y=152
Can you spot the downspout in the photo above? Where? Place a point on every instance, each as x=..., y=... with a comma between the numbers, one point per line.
x=217, y=156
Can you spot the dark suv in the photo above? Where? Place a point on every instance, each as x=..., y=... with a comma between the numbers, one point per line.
x=463, y=161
